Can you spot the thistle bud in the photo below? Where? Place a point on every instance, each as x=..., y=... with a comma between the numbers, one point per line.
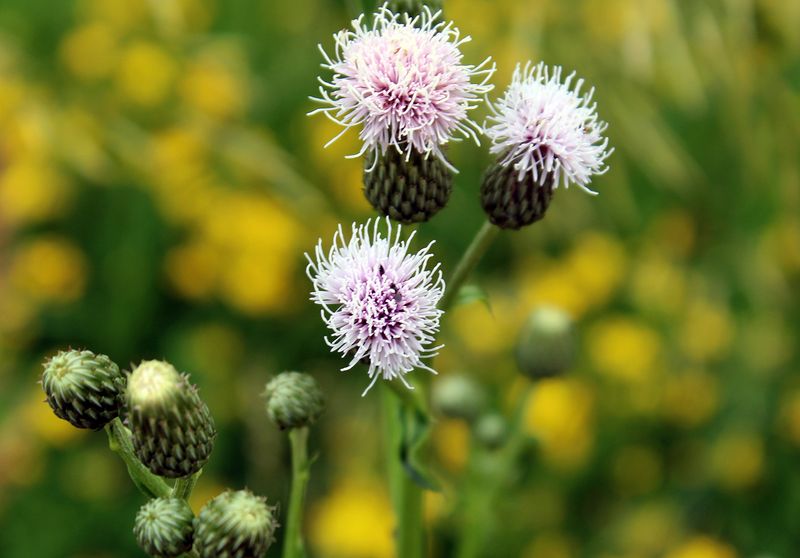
x=164, y=527
x=83, y=388
x=491, y=430
x=407, y=186
x=294, y=400
x=413, y=7
x=458, y=396
x=235, y=525
x=512, y=201
x=173, y=432
x=546, y=345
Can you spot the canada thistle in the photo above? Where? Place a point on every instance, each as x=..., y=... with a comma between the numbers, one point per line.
x=401, y=80
x=164, y=527
x=379, y=300
x=235, y=525
x=173, y=432
x=83, y=388
x=546, y=345
x=545, y=133
x=294, y=400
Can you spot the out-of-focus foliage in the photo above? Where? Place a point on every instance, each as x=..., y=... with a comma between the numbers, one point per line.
x=159, y=183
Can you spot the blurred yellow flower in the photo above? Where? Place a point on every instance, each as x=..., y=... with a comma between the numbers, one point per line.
x=48, y=269
x=44, y=425
x=624, y=348
x=559, y=415
x=212, y=84
x=481, y=329
x=90, y=52
x=551, y=545
x=703, y=547
x=648, y=529
x=690, y=398
x=789, y=416
x=598, y=265
x=124, y=15
x=658, y=284
x=451, y=439
x=192, y=269
x=145, y=74
x=737, y=459
x=707, y=331
x=552, y=285
x=354, y=521
x=32, y=191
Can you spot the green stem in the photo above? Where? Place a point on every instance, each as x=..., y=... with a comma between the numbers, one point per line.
x=119, y=440
x=293, y=546
x=406, y=495
x=183, y=487
x=475, y=251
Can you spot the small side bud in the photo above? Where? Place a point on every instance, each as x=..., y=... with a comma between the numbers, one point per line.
x=164, y=527
x=512, y=202
x=173, y=432
x=546, y=345
x=235, y=525
x=294, y=400
x=407, y=187
x=491, y=430
x=458, y=396
x=83, y=388
x=413, y=7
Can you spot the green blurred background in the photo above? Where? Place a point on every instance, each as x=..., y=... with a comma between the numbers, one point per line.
x=160, y=182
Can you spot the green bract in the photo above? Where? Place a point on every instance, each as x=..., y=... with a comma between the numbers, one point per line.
x=164, y=527
x=294, y=400
x=235, y=525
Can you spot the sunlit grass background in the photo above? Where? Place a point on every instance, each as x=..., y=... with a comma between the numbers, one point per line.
x=159, y=183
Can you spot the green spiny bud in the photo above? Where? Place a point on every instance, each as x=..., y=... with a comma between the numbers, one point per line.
x=491, y=430
x=173, y=432
x=235, y=525
x=83, y=388
x=294, y=400
x=164, y=527
x=512, y=202
x=413, y=7
x=458, y=396
x=546, y=345
x=407, y=187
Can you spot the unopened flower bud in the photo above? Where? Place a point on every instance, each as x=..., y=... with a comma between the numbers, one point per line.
x=546, y=345
x=294, y=400
x=235, y=525
x=491, y=430
x=164, y=527
x=458, y=396
x=173, y=432
x=83, y=388
x=512, y=201
x=413, y=7
x=408, y=186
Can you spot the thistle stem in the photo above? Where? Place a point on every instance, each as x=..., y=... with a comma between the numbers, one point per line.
x=475, y=251
x=120, y=442
x=293, y=546
x=406, y=495
x=183, y=487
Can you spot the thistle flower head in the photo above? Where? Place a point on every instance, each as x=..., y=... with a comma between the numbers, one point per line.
x=294, y=400
x=403, y=82
x=378, y=300
x=545, y=127
x=235, y=524
x=164, y=527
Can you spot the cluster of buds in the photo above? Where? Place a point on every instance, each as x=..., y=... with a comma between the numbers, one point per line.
x=171, y=433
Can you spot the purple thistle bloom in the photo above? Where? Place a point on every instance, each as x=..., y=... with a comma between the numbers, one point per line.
x=403, y=81
x=378, y=300
x=543, y=126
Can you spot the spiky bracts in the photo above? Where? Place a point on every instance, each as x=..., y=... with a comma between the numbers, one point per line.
x=413, y=8
x=83, y=388
x=294, y=400
x=164, y=527
x=511, y=201
x=173, y=432
x=546, y=344
x=235, y=525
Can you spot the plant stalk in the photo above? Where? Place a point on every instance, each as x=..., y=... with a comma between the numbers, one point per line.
x=293, y=546
x=120, y=442
x=475, y=251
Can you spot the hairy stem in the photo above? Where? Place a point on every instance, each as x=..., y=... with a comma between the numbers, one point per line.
x=293, y=546
x=183, y=487
x=406, y=495
x=119, y=440
x=475, y=251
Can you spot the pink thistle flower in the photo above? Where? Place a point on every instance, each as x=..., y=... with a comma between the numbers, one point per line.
x=403, y=82
x=543, y=126
x=378, y=300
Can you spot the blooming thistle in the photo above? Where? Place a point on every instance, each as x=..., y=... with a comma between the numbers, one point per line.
x=378, y=300
x=545, y=133
x=402, y=81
